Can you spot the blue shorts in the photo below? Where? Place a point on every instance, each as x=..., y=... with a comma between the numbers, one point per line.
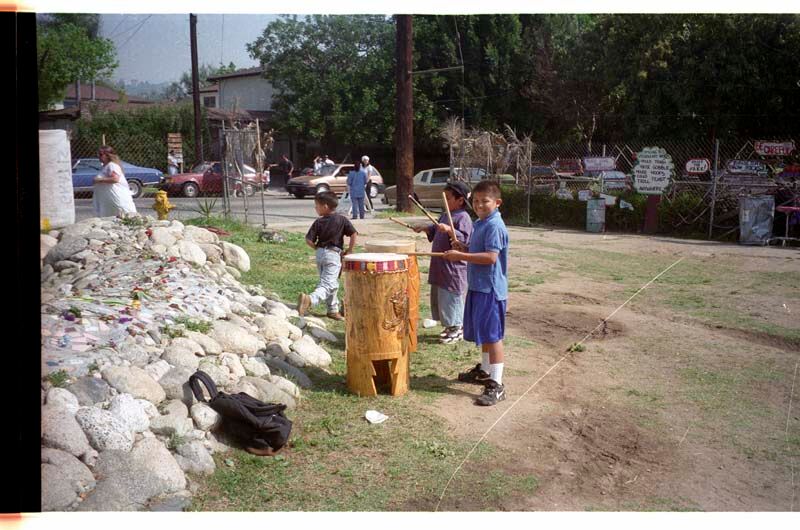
x=484, y=318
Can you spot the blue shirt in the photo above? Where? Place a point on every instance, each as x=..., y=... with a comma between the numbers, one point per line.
x=489, y=235
x=357, y=184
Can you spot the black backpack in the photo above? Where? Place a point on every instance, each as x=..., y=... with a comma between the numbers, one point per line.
x=249, y=421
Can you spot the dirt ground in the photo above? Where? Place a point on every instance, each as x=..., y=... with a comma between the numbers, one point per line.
x=680, y=402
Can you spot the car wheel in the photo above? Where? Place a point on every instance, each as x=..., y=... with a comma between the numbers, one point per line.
x=299, y=195
x=321, y=188
x=191, y=190
x=373, y=190
x=136, y=188
x=250, y=190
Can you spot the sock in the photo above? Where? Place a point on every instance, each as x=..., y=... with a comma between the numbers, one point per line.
x=496, y=373
x=485, y=366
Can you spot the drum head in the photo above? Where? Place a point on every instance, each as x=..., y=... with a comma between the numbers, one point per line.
x=375, y=257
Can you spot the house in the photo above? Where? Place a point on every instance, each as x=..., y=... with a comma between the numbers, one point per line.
x=100, y=93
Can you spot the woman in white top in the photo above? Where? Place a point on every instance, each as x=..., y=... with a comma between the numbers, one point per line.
x=111, y=194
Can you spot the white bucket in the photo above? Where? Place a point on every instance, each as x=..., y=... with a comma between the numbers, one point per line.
x=56, y=200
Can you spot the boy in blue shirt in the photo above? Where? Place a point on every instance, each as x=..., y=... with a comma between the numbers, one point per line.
x=487, y=283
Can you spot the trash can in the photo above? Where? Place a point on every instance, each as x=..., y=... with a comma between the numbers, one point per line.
x=756, y=213
x=596, y=215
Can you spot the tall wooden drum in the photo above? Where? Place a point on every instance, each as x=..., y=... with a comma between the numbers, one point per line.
x=376, y=300
x=401, y=246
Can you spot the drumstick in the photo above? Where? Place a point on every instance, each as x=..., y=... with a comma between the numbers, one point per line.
x=432, y=254
x=401, y=223
x=453, y=237
x=426, y=212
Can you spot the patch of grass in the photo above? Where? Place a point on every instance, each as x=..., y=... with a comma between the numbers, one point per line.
x=175, y=441
x=191, y=324
x=385, y=214
x=59, y=378
x=576, y=348
x=93, y=367
x=133, y=221
x=173, y=331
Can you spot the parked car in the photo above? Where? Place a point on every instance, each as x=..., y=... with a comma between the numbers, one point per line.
x=85, y=169
x=206, y=178
x=331, y=177
x=429, y=184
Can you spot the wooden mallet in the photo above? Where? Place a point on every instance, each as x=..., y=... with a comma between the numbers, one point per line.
x=401, y=223
x=453, y=237
x=422, y=208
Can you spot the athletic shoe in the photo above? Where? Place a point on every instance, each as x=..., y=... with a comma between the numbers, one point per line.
x=454, y=335
x=475, y=375
x=335, y=316
x=303, y=303
x=445, y=332
x=493, y=393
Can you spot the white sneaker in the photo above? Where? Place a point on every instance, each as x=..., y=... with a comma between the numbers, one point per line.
x=428, y=323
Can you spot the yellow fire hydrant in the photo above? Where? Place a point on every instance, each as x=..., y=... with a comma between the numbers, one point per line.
x=162, y=205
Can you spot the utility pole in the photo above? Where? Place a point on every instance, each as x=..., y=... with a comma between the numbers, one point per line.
x=198, y=137
x=404, y=116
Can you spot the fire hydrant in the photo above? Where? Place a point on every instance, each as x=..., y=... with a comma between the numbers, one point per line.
x=162, y=205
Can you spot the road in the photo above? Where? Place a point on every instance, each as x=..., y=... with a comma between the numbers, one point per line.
x=279, y=208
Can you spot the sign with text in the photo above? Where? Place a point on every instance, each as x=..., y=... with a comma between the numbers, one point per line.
x=540, y=171
x=653, y=171
x=567, y=166
x=746, y=167
x=764, y=148
x=698, y=166
x=599, y=163
x=584, y=195
x=613, y=180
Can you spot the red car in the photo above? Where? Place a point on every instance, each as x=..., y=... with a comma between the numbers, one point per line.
x=206, y=178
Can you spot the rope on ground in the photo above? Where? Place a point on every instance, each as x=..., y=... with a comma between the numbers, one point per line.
x=569, y=351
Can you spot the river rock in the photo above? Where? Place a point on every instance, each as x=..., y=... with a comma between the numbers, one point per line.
x=180, y=357
x=63, y=398
x=104, y=430
x=322, y=334
x=311, y=352
x=255, y=366
x=235, y=256
x=90, y=390
x=269, y=392
x=175, y=384
x=193, y=457
x=191, y=252
x=64, y=479
x=135, y=381
x=157, y=369
x=235, y=339
x=233, y=364
x=46, y=243
x=213, y=252
x=162, y=236
x=189, y=344
x=208, y=345
x=67, y=248
x=198, y=234
x=131, y=411
x=286, y=370
x=60, y=430
x=272, y=327
x=204, y=416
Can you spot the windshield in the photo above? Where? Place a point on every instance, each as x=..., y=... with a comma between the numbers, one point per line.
x=326, y=170
x=201, y=167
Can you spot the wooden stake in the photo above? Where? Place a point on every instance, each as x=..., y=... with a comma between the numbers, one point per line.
x=422, y=208
x=453, y=237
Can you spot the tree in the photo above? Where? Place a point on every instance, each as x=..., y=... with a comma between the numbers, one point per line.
x=66, y=53
x=183, y=87
x=334, y=78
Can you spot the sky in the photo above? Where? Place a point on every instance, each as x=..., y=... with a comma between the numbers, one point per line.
x=155, y=47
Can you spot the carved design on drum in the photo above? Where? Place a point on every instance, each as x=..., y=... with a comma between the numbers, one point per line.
x=398, y=316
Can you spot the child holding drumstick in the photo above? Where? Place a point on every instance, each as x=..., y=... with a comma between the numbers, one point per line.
x=487, y=276
x=448, y=279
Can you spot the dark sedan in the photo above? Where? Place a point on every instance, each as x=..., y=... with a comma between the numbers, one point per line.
x=85, y=169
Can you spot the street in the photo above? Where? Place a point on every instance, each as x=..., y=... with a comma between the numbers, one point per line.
x=279, y=207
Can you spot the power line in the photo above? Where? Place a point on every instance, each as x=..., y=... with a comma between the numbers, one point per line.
x=222, y=42
x=134, y=33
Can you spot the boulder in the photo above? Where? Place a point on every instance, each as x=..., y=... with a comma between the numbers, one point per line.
x=233, y=364
x=279, y=366
x=272, y=327
x=104, y=430
x=189, y=344
x=157, y=369
x=219, y=374
x=64, y=480
x=63, y=398
x=162, y=236
x=60, y=430
x=235, y=256
x=322, y=334
x=234, y=339
x=208, y=345
x=174, y=421
x=90, y=390
x=45, y=244
x=205, y=418
x=269, y=391
x=131, y=411
x=311, y=352
x=134, y=381
x=279, y=348
x=65, y=249
x=131, y=479
x=255, y=366
x=193, y=457
x=180, y=357
x=213, y=252
x=191, y=253
x=175, y=384
x=286, y=385
x=198, y=234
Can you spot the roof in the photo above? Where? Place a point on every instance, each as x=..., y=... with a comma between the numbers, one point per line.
x=102, y=93
x=244, y=72
x=240, y=115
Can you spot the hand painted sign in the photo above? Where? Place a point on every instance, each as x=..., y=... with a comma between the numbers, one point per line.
x=746, y=167
x=567, y=166
x=774, y=148
x=539, y=171
x=697, y=166
x=653, y=171
x=599, y=163
x=613, y=180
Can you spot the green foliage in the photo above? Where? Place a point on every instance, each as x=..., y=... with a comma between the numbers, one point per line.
x=206, y=209
x=173, y=331
x=175, y=441
x=183, y=87
x=191, y=324
x=66, y=53
x=145, y=127
x=59, y=378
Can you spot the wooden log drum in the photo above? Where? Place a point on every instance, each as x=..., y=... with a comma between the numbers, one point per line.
x=405, y=246
x=376, y=328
